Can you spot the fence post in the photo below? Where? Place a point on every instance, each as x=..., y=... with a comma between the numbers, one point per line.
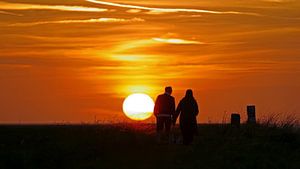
x=251, y=114
x=235, y=119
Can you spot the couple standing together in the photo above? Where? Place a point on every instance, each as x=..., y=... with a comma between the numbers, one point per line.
x=166, y=114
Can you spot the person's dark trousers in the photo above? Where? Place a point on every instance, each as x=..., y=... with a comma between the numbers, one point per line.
x=163, y=123
x=187, y=137
x=188, y=132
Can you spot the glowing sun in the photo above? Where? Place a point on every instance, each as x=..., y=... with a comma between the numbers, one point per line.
x=138, y=106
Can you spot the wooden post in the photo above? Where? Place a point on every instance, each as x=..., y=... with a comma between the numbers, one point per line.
x=251, y=114
x=235, y=119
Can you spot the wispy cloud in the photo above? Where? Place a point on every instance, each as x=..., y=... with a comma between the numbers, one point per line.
x=176, y=41
x=166, y=10
x=10, y=13
x=97, y=20
x=23, y=6
x=133, y=11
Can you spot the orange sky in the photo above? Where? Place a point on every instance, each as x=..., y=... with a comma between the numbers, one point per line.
x=69, y=61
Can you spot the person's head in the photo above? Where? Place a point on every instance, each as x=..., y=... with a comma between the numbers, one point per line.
x=168, y=90
x=189, y=93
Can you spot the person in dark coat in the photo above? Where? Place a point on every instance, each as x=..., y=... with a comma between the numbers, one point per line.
x=164, y=109
x=188, y=110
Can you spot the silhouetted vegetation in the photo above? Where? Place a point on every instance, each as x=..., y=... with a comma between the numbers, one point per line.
x=118, y=146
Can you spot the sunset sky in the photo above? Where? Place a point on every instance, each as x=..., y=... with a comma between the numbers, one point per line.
x=74, y=60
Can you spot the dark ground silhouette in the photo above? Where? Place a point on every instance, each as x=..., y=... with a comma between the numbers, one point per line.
x=133, y=146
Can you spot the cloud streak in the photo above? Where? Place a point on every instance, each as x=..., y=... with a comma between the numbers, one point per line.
x=10, y=13
x=176, y=41
x=168, y=10
x=23, y=6
x=97, y=20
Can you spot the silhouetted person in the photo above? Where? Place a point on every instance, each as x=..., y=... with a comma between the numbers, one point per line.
x=164, y=109
x=188, y=110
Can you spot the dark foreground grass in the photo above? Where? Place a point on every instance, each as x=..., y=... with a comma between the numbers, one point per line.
x=133, y=146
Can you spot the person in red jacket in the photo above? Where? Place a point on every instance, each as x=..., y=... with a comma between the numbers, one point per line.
x=164, y=109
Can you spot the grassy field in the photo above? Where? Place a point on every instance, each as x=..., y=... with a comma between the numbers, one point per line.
x=132, y=146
